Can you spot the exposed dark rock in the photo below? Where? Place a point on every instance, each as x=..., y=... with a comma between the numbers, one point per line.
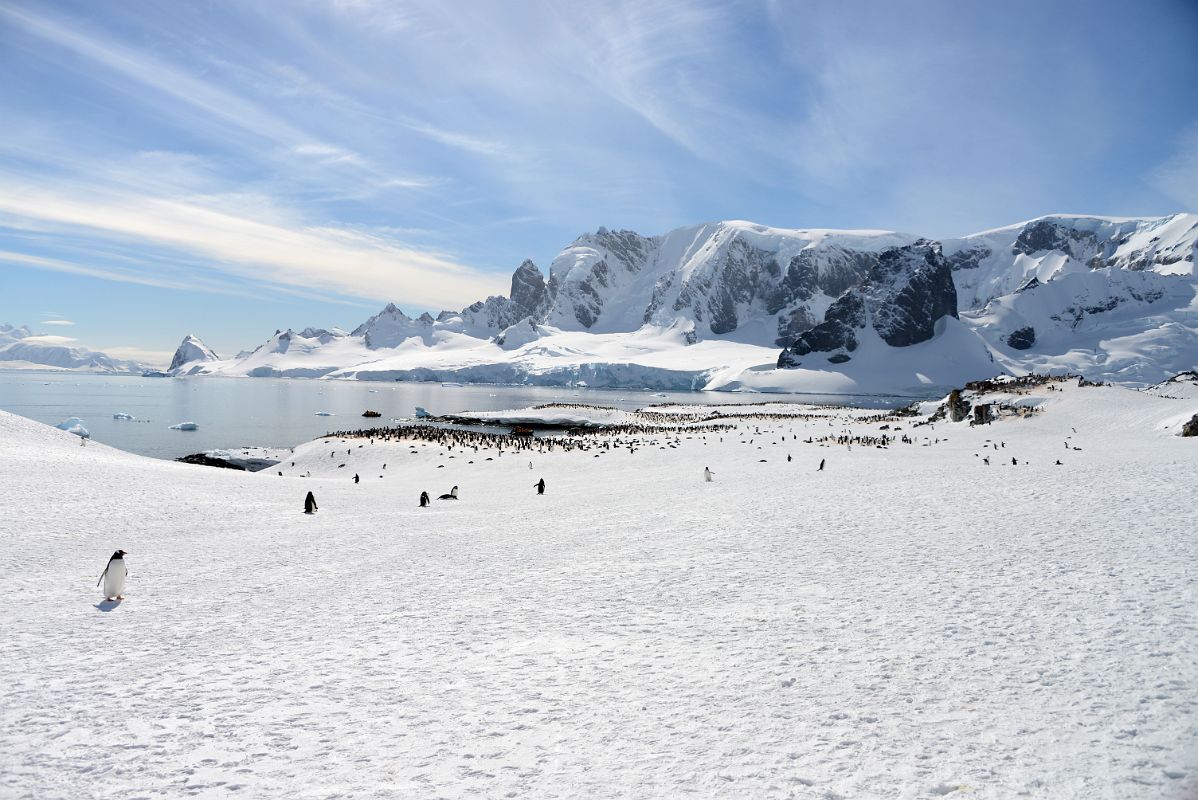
x=1022, y=339
x=208, y=461
x=969, y=258
x=908, y=290
x=1045, y=235
x=839, y=358
x=528, y=290
x=1191, y=427
x=842, y=320
x=957, y=406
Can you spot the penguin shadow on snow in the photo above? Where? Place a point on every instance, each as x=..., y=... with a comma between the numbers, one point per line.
x=107, y=605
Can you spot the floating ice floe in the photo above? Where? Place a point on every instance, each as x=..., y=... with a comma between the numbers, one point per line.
x=324, y=413
x=68, y=423
x=122, y=415
x=184, y=426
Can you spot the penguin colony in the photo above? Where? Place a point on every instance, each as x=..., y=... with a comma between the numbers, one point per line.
x=612, y=437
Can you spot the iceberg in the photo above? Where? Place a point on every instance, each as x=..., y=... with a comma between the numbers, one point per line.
x=79, y=431
x=122, y=415
x=422, y=412
x=324, y=413
x=68, y=423
x=184, y=426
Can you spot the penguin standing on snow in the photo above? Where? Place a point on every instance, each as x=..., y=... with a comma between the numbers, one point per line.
x=821, y=465
x=424, y=501
x=707, y=474
x=310, y=504
x=113, y=577
x=540, y=486
x=453, y=494
x=356, y=478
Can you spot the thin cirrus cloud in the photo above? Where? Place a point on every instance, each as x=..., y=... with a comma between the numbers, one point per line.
x=342, y=261
x=59, y=322
x=48, y=339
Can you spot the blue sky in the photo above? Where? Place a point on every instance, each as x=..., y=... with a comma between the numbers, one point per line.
x=229, y=168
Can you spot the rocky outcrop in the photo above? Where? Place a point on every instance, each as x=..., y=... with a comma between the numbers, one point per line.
x=1023, y=338
x=1191, y=427
x=906, y=291
x=837, y=334
x=957, y=406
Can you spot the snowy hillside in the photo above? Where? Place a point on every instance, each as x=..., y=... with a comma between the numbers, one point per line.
x=898, y=627
x=21, y=349
x=734, y=305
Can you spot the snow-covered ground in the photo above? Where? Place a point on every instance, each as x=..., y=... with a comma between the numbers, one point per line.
x=910, y=622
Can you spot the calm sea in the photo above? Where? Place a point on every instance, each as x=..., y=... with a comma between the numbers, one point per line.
x=274, y=412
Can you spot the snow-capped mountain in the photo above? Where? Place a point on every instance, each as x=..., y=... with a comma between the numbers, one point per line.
x=710, y=306
x=20, y=348
x=190, y=356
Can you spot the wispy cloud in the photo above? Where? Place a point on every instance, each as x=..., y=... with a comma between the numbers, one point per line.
x=48, y=339
x=296, y=254
x=57, y=322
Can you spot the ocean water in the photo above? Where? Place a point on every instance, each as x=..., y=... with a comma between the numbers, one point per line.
x=276, y=412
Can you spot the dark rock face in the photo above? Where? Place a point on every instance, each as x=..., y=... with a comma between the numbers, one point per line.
x=528, y=290
x=970, y=258
x=745, y=274
x=837, y=332
x=1191, y=427
x=207, y=461
x=905, y=292
x=1022, y=339
x=1047, y=235
x=957, y=406
x=909, y=289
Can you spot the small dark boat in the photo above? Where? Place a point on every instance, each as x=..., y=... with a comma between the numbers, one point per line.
x=520, y=430
x=371, y=414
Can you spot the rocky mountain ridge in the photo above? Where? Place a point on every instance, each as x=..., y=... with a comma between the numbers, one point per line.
x=1028, y=296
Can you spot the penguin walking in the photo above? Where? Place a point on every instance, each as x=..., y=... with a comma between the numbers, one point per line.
x=540, y=485
x=310, y=504
x=424, y=501
x=114, y=576
x=356, y=479
x=788, y=458
x=708, y=474
x=821, y=465
x=453, y=494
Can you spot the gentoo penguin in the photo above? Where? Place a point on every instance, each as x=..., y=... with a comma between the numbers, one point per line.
x=821, y=465
x=356, y=479
x=424, y=501
x=453, y=494
x=707, y=474
x=540, y=486
x=310, y=504
x=113, y=577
